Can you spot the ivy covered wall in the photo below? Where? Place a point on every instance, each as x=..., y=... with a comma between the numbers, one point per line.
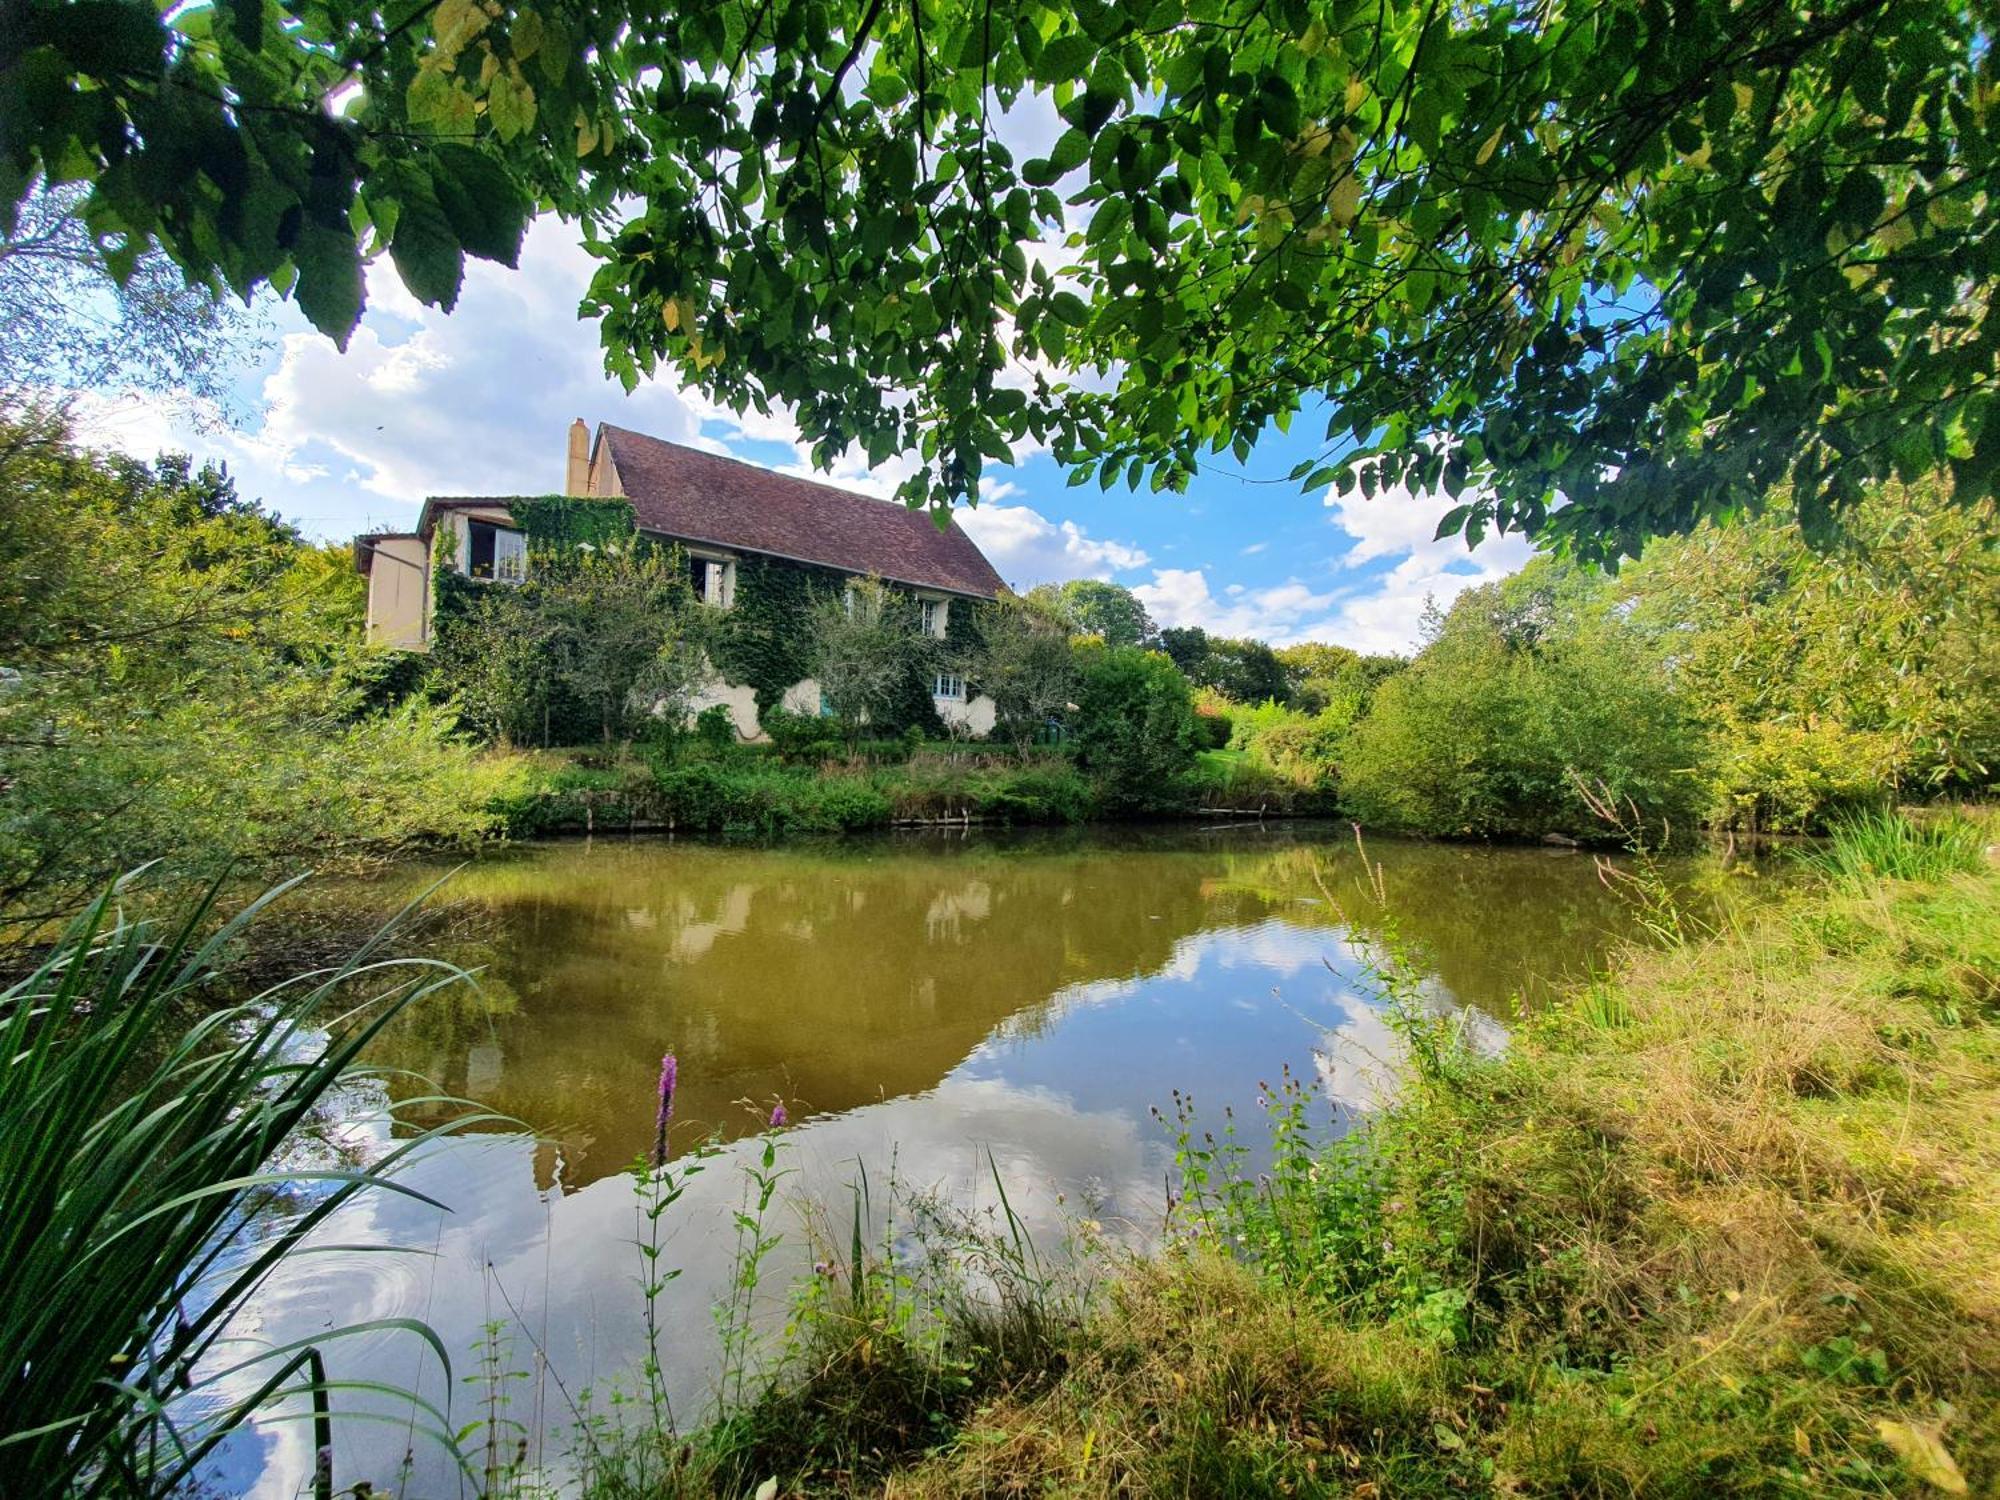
x=765, y=644
x=554, y=522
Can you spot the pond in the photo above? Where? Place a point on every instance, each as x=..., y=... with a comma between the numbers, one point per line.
x=950, y=1012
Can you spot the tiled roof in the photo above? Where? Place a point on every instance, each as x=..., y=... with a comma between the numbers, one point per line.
x=702, y=497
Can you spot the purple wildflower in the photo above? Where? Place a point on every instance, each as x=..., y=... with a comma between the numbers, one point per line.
x=778, y=1115
x=669, y=1076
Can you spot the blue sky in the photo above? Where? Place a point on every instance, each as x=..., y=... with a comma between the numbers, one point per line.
x=480, y=401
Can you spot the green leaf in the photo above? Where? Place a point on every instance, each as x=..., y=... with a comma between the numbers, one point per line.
x=1452, y=522
x=1859, y=201
x=1071, y=308
x=510, y=106
x=329, y=289
x=1072, y=150
x=488, y=211
x=427, y=252
x=525, y=40
x=105, y=38
x=1065, y=59
x=437, y=101
x=1280, y=105
x=246, y=22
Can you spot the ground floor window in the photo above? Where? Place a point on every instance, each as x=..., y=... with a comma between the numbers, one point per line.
x=948, y=685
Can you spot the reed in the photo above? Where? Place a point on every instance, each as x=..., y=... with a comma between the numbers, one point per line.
x=144, y=1121
x=1893, y=846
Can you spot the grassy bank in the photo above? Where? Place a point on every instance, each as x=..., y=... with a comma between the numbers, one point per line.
x=1725, y=1222
x=752, y=792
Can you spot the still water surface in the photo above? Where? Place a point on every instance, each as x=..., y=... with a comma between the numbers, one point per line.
x=936, y=1009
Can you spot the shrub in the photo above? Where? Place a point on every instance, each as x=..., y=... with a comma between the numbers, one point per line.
x=552, y=791
x=1134, y=728
x=1212, y=729
x=1305, y=750
x=1791, y=777
x=767, y=801
x=1523, y=689
x=802, y=737
x=715, y=728
x=1024, y=664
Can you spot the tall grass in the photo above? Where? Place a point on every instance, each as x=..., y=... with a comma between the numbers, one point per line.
x=1883, y=845
x=143, y=1123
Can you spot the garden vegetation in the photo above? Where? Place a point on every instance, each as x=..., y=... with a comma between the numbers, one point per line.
x=186, y=682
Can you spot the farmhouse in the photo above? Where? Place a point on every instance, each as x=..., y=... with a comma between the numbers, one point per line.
x=745, y=531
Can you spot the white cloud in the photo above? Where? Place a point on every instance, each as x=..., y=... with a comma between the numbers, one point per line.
x=1399, y=524
x=1028, y=548
x=479, y=402
x=1281, y=614
x=1371, y=608
x=422, y=403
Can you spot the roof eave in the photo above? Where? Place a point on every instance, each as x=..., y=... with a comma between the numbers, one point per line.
x=819, y=562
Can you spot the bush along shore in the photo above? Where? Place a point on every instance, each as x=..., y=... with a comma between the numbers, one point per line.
x=757, y=792
x=1724, y=1221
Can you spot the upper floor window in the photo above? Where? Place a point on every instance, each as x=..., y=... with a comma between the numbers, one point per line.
x=496, y=552
x=932, y=616
x=948, y=685
x=714, y=580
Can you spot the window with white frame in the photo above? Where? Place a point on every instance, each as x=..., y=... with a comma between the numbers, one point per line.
x=714, y=580
x=495, y=552
x=948, y=685
x=933, y=616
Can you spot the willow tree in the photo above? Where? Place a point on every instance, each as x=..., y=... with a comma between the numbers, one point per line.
x=1594, y=268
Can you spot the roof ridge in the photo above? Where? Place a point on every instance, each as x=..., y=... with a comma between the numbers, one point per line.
x=767, y=472
x=678, y=489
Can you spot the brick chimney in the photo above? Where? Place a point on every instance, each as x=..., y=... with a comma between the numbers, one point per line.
x=577, y=481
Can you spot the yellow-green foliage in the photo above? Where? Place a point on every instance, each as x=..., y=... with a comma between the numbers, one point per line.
x=1833, y=677
x=193, y=688
x=1524, y=687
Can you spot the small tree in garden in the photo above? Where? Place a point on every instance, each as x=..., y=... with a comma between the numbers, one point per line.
x=1024, y=664
x=1135, y=726
x=626, y=634
x=491, y=657
x=865, y=644
x=613, y=633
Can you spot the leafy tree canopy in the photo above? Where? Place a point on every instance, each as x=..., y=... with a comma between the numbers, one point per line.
x=1596, y=270
x=1098, y=608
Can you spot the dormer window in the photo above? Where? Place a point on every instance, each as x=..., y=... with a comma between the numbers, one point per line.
x=496, y=553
